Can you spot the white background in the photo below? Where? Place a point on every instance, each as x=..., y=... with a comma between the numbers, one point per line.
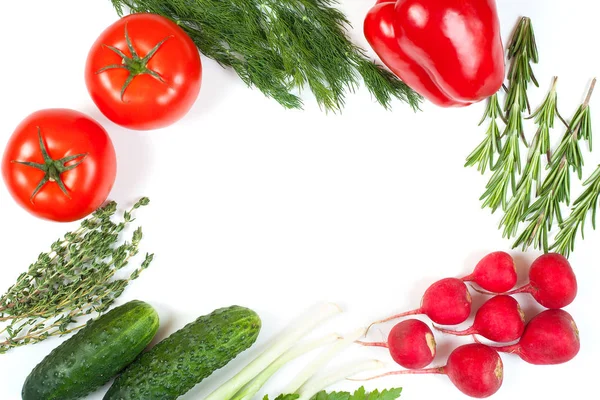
x=278, y=210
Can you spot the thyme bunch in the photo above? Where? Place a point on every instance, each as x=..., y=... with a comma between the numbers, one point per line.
x=74, y=279
x=281, y=47
x=522, y=51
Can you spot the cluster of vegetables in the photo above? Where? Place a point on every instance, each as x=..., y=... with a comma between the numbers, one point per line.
x=551, y=337
x=114, y=341
x=143, y=72
x=112, y=346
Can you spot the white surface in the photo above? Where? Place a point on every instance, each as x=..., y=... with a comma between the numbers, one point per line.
x=277, y=210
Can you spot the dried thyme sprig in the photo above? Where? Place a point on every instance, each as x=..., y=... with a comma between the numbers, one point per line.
x=522, y=51
x=544, y=118
x=73, y=280
x=281, y=47
x=484, y=155
x=585, y=204
x=556, y=188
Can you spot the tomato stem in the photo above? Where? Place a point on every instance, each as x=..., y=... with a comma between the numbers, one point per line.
x=135, y=64
x=53, y=169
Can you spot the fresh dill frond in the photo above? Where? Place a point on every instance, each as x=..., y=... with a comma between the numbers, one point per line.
x=282, y=47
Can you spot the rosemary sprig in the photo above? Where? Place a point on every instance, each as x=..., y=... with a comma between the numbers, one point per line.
x=522, y=51
x=556, y=188
x=281, y=47
x=484, y=155
x=74, y=279
x=509, y=162
x=588, y=202
x=544, y=118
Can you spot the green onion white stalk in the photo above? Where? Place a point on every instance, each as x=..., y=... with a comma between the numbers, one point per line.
x=252, y=388
x=287, y=339
x=323, y=359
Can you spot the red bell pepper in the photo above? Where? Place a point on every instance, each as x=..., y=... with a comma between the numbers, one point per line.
x=449, y=51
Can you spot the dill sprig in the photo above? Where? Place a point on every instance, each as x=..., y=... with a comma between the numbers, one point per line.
x=556, y=188
x=522, y=51
x=587, y=202
x=485, y=153
x=544, y=118
x=281, y=47
x=74, y=279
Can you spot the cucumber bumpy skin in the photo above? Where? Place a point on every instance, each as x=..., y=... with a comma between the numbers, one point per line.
x=184, y=359
x=93, y=355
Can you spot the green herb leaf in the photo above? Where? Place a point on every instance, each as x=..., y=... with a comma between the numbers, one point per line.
x=282, y=47
x=75, y=279
x=284, y=397
x=334, y=396
x=360, y=394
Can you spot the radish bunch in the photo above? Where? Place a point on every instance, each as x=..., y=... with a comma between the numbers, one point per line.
x=476, y=369
x=551, y=337
x=552, y=282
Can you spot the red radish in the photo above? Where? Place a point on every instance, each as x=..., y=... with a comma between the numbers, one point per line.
x=495, y=272
x=499, y=319
x=411, y=344
x=475, y=369
x=446, y=302
x=551, y=281
x=551, y=337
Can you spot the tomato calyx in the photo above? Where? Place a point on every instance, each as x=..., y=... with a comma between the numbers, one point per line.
x=53, y=169
x=135, y=64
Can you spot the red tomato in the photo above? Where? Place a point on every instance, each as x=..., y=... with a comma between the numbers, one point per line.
x=59, y=165
x=144, y=72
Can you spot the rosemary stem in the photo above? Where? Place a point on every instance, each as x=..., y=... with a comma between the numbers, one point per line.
x=589, y=95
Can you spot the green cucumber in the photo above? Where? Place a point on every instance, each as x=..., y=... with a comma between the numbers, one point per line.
x=188, y=356
x=94, y=355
